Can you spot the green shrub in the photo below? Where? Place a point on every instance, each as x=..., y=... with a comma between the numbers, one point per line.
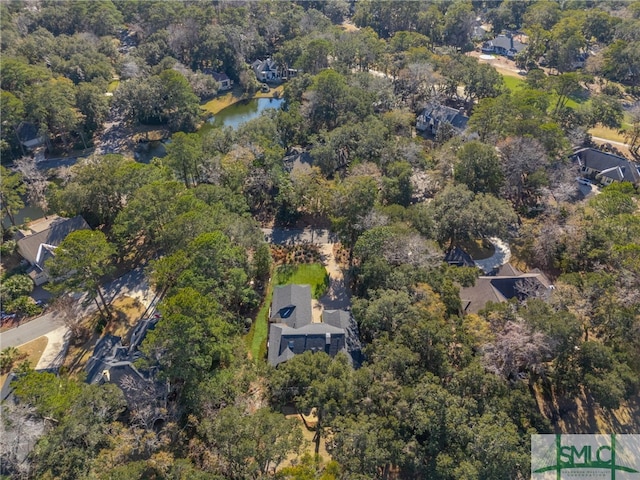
x=14, y=287
x=23, y=305
x=7, y=358
x=8, y=248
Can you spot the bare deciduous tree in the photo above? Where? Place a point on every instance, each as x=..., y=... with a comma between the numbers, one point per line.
x=517, y=351
x=66, y=307
x=632, y=135
x=146, y=401
x=412, y=250
x=371, y=220
x=35, y=181
x=20, y=428
x=530, y=288
x=521, y=158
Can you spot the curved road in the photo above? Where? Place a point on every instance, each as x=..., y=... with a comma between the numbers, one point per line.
x=30, y=330
x=133, y=284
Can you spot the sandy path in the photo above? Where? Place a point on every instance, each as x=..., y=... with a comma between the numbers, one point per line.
x=56, y=349
x=338, y=296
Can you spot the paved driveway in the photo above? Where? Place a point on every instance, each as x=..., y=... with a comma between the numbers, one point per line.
x=501, y=256
x=293, y=236
x=338, y=296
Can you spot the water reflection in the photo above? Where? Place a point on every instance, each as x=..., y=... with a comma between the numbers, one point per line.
x=235, y=115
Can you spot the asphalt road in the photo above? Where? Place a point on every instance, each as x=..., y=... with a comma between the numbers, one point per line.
x=293, y=236
x=133, y=284
x=30, y=330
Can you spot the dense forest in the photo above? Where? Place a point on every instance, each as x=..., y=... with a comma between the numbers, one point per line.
x=440, y=394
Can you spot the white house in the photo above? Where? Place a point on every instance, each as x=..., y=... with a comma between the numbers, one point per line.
x=269, y=71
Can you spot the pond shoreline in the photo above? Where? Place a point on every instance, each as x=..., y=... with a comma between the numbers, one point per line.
x=219, y=103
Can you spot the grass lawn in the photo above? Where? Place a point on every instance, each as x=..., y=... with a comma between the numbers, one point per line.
x=127, y=311
x=256, y=339
x=223, y=101
x=313, y=274
x=512, y=82
x=608, y=133
x=31, y=352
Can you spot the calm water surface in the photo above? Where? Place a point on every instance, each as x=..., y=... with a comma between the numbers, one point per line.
x=235, y=115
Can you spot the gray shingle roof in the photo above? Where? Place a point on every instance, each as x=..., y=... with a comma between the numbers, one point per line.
x=292, y=332
x=508, y=43
x=609, y=165
x=443, y=114
x=337, y=318
x=291, y=304
x=54, y=235
x=458, y=257
x=285, y=342
x=500, y=288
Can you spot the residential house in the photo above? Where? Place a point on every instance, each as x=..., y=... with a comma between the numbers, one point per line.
x=507, y=45
x=222, y=78
x=606, y=168
x=292, y=330
x=436, y=114
x=507, y=283
x=31, y=141
x=113, y=362
x=269, y=71
x=110, y=353
x=38, y=242
x=457, y=257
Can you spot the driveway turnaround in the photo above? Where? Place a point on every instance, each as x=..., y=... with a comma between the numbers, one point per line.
x=501, y=256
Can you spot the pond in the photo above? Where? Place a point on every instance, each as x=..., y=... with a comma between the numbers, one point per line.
x=235, y=115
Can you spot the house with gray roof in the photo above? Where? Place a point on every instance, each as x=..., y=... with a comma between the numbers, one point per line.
x=269, y=71
x=435, y=114
x=506, y=45
x=605, y=167
x=293, y=332
x=457, y=257
x=506, y=284
x=114, y=362
x=37, y=246
x=224, y=82
x=291, y=305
